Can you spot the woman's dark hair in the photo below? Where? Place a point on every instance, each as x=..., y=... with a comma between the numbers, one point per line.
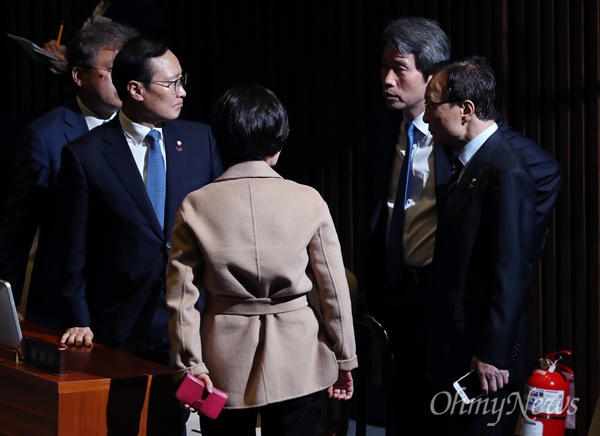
x=249, y=123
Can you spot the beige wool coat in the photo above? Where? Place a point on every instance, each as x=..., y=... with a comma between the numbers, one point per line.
x=257, y=244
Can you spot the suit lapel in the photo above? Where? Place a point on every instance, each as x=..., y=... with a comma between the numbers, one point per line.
x=175, y=150
x=472, y=176
x=119, y=157
x=473, y=169
x=480, y=158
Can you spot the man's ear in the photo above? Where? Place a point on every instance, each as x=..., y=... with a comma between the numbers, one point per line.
x=468, y=108
x=136, y=90
x=76, y=74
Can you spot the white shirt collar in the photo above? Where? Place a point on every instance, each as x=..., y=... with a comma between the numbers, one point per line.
x=136, y=132
x=466, y=153
x=92, y=120
x=421, y=125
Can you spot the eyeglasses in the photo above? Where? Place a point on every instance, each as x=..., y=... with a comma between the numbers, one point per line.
x=100, y=72
x=434, y=104
x=174, y=86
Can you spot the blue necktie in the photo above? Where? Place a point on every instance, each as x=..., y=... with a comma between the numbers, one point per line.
x=156, y=176
x=394, y=245
x=410, y=140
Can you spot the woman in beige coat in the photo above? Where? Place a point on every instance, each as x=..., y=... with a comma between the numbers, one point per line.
x=257, y=245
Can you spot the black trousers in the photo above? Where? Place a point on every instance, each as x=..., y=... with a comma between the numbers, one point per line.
x=405, y=323
x=296, y=417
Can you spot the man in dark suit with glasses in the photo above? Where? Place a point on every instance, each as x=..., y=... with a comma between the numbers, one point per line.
x=121, y=186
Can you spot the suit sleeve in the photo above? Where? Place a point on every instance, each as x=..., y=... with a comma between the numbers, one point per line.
x=546, y=173
x=511, y=210
x=70, y=237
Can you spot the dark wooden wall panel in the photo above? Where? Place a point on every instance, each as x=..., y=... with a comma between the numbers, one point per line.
x=322, y=58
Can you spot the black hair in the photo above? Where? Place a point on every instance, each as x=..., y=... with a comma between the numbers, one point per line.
x=249, y=123
x=472, y=79
x=421, y=37
x=133, y=62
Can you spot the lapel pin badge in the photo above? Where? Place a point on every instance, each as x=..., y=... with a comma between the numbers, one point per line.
x=179, y=146
x=472, y=183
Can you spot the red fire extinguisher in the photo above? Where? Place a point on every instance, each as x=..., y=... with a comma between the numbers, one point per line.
x=548, y=397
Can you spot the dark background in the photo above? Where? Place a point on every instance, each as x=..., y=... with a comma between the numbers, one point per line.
x=322, y=59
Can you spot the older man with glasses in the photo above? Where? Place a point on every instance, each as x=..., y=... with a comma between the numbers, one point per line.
x=90, y=56
x=478, y=303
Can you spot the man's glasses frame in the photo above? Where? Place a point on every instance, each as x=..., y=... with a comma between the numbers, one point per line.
x=173, y=85
x=101, y=72
x=434, y=104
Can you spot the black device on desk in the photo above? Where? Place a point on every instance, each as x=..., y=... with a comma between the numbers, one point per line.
x=45, y=355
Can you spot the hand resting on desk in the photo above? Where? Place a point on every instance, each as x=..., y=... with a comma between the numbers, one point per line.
x=78, y=336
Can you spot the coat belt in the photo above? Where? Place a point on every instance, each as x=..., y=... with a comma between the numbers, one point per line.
x=254, y=306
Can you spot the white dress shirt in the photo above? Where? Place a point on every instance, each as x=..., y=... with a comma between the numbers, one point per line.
x=135, y=134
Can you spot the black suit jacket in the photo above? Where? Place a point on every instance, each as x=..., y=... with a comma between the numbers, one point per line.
x=113, y=252
x=482, y=268
x=29, y=206
x=546, y=173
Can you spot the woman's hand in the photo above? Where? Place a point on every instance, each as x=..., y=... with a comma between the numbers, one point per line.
x=343, y=388
x=208, y=384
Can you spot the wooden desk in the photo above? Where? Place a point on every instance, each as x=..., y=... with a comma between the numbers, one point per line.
x=104, y=392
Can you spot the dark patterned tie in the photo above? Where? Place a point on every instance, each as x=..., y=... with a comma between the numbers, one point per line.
x=457, y=167
x=156, y=176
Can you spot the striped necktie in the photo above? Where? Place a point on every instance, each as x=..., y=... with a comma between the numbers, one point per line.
x=457, y=167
